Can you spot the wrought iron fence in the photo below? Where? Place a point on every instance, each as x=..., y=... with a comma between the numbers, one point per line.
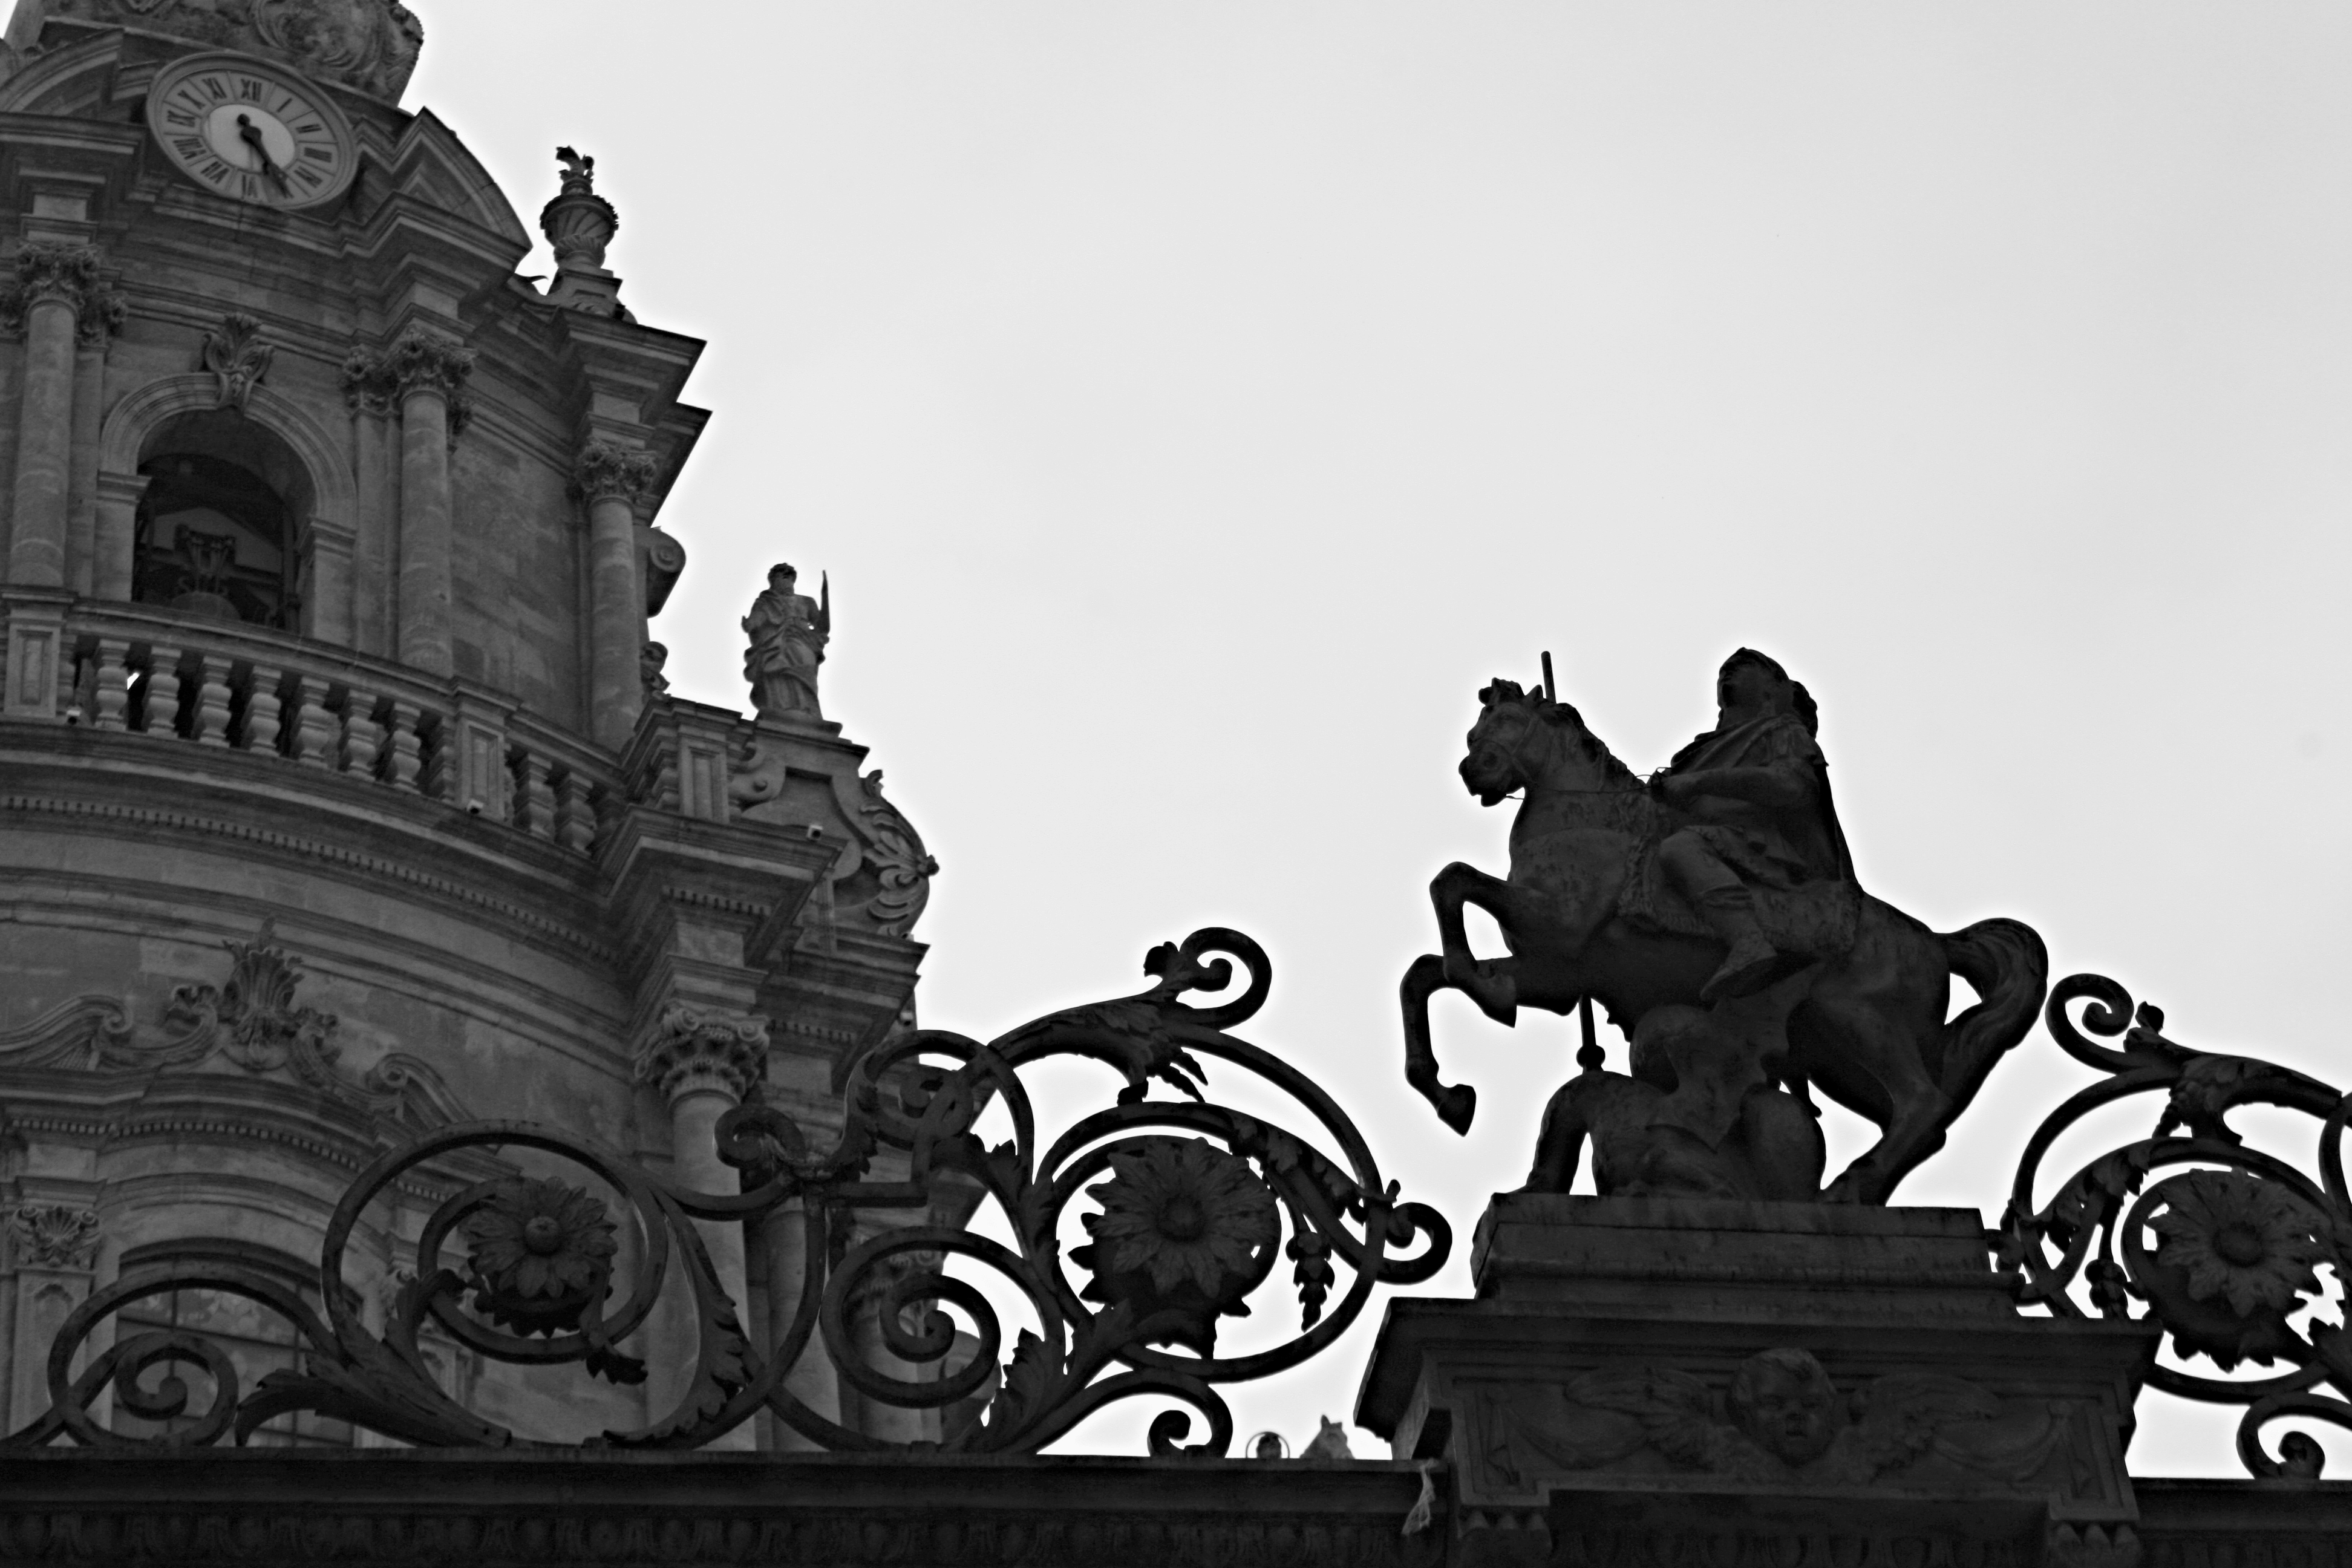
x=1192, y=1203
x=2239, y=1233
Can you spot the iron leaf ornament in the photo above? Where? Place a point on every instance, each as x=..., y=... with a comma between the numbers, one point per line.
x=1189, y=1205
x=2214, y=1240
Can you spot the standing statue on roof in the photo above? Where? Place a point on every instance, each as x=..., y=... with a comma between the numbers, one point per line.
x=788, y=632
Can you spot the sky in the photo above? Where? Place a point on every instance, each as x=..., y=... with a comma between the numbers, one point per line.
x=1193, y=405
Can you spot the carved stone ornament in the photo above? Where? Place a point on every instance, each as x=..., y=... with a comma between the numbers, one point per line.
x=650, y=660
x=691, y=1049
x=896, y=853
x=1732, y=853
x=368, y=384
x=43, y=269
x=377, y=381
x=1781, y=1419
x=579, y=223
x=368, y=45
x=86, y=1032
x=54, y=1235
x=253, y=1019
x=606, y=472
x=238, y=358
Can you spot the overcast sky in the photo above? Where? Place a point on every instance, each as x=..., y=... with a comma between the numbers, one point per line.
x=1194, y=405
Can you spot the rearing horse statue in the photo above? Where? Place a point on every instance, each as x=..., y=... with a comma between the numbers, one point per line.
x=1718, y=1101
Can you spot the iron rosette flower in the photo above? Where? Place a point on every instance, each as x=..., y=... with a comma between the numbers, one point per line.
x=1186, y=1231
x=2233, y=1262
x=541, y=1254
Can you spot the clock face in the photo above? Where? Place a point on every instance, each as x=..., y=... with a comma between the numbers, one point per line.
x=250, y=130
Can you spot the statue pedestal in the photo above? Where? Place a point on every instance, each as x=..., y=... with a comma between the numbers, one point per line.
x=1658, y=1381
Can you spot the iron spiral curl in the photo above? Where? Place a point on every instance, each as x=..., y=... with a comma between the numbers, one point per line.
x=1195, y=1200
x=2240, y=1232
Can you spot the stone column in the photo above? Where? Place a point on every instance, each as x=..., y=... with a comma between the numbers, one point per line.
x=608, y=480
x=95, y=332
x=429, y=375
x=117, y=534
x=54, y=283
x=704, y=1063
x=783, y=1239
x=368, y=393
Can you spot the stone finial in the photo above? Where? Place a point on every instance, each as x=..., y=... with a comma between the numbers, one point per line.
x=238, y=357
x=691, y=1049
x=54, y=1235
x=580, y=224
x=605, y=472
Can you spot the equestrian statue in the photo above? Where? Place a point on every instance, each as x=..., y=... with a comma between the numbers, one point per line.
x=1714, y=913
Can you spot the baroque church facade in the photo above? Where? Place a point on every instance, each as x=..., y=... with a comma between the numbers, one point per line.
x=340, y=796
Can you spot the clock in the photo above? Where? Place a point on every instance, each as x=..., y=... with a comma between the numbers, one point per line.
x=250, y=130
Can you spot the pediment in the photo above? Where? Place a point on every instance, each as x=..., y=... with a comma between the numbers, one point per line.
x=428, y=166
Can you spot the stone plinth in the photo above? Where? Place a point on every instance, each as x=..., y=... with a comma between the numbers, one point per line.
x=1812, y=1380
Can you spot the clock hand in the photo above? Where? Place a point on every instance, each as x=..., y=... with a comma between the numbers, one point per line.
x=250, y=134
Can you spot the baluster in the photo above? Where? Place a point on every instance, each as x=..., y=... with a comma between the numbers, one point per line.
x=403, y=758
x=435, y=738
x=259, y=730
x=310, y=727
x=209, y=724
x=110, y=701
x=76, y=683
x=159, y=698
x=363, y=737
x=575, y=816
x=534, y=796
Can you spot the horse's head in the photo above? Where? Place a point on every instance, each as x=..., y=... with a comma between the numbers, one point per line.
x=1523, y=739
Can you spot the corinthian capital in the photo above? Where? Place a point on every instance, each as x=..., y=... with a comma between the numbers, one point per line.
x=605, y=471
x=48, y=270
x=368, y=383
x=417, y=362
x=691, y=1049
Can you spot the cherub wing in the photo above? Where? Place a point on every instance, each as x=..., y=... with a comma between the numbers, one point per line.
x=1902, y=1414
x=1675, y=1410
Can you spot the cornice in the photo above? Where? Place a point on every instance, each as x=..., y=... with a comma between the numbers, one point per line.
x=342, y=855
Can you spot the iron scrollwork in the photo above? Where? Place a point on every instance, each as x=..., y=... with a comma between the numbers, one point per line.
x=1194, y=1201
x=2219, y=1241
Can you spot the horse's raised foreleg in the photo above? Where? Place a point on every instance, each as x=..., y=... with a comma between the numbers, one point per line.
x=1492, y=984
x=1455, y=1104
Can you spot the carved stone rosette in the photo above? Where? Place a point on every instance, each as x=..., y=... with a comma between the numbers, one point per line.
x=691, y=1049
x=605, y=471
x=54, y=1235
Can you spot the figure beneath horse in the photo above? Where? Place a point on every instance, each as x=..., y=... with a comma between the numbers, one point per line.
x=1714, y=914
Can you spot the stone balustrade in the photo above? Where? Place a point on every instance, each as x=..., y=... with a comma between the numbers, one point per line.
x=128, y=668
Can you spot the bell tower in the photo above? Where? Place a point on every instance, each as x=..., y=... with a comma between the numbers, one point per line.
x=343, y=798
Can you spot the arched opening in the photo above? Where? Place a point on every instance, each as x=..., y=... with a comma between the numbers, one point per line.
x=218, y=528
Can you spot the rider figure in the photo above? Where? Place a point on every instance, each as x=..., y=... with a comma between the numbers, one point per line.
x=1754, y=796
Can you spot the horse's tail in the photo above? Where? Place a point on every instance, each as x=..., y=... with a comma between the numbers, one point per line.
x=2006, y=964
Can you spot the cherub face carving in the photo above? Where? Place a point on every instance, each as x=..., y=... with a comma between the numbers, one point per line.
x=1785, y=1404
